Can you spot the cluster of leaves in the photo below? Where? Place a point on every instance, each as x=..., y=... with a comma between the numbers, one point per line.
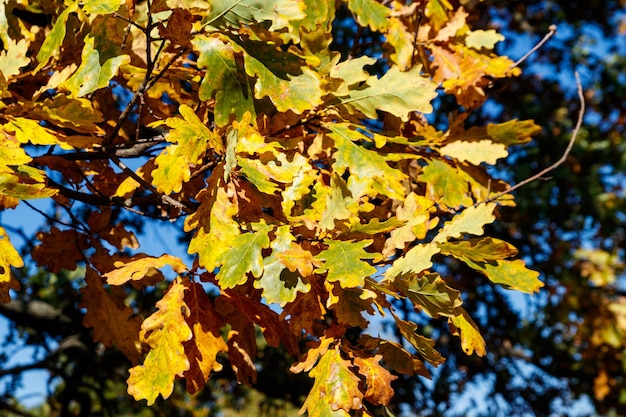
x=311, y=184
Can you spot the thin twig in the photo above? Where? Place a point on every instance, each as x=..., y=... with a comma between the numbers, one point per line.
x=570, y=145
x=552, y=31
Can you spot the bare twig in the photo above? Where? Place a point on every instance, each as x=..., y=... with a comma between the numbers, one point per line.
x=570, y=145
x=552, y=31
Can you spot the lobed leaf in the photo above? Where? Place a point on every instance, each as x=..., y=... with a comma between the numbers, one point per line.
x=471, y=340
x=113, y=322
x=140, y=266
x=9, y=257
x=244, y=256
x=225, y=79
x=164, y=331
x=398, y=93
x=344, y=261
x=336, y=389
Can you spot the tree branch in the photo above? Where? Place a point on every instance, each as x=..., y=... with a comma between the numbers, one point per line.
x=552, y=31
x=570, y=145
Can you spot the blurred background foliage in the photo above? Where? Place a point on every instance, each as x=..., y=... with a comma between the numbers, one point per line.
x=562, y=352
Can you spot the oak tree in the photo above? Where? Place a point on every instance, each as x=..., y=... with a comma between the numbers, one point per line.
x=314, y=188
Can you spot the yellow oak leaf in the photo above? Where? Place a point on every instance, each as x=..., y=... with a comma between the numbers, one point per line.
x=471, y=221
x=9, y=257
x=475, y=152
x=141, y=265
x=214, y=222
x=164, y=331
x=336, y=390
x=471, y=340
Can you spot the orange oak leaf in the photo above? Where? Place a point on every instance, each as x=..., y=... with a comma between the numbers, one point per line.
x=207, y=341
x=377, y=379
x=242, y=347
x=59, y=249
x=113, y=322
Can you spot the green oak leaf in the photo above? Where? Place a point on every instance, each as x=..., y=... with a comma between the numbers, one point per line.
x=351, y=72
x=396, y=92
x=344, y=262
x=478, y=249
x=92, y=74
x=236, y=13
x=279, y=284
x=370, y=13
x=488, y=255
x=225, y=79
x=101, y=6
x=53, y=41
x=297, y=93
x=366, y=167
x=430, y=293
x=244, y=256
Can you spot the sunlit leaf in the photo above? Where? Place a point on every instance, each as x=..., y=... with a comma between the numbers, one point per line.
x=471, y=340
x=479, y=39
x=225, y=79
x=336, y=388
x=346, y=262
x=244, y=256
x=241, y=12
x=53, y=41
x=13, y=58
x=139, y=266
x=280, y=281
x=101, y=6
x=370, y=13
x=92, y=73
x=398, y=93
x=471, y=221
x=9, y=257
x=475, y=152
x=164, y=331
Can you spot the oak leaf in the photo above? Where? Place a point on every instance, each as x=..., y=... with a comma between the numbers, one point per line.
x=244, y=256
x=9, y=257
x=164, y=331
x=207, y=342
x=113, y=322
x=139, y=266
x=377, y=379
x=345, y=262
x=471, y=340
x=398, y=93
x=336, y=390
x=92, y=75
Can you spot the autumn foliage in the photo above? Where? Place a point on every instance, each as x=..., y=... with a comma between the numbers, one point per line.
x=312, y=188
